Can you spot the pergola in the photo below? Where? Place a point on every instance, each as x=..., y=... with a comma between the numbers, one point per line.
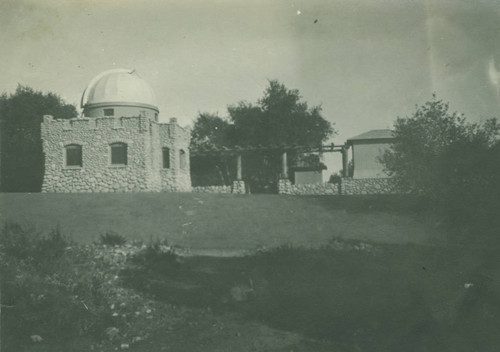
x=238, y=151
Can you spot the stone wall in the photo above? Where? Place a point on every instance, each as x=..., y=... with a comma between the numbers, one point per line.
x=286, y=187
x=175, y=138
x=239, y=187
x=367, y=186
x=212, y=189
x=144, y=171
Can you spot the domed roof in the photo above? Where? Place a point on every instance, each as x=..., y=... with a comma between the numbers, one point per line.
x=118, y=86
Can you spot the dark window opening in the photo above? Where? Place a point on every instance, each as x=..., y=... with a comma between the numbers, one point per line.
x=182, y=159
x=74, y=155
x=118, y=154
x=109, y=112
x=166, y=158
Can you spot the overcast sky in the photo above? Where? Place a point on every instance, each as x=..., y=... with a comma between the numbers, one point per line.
x=366, y=62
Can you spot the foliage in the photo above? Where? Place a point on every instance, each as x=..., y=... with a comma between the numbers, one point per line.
x=111, y=238
x=21, y=113
x=278, y=118
x=210, y=130
x=335, y=179
x=39, y=285
x=422, y=140
x=470, y=197
x=158, y=255
x=212, y=170
x=452, y=162
x=61, y=296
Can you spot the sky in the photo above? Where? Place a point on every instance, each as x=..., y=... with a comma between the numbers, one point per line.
x=365, y=62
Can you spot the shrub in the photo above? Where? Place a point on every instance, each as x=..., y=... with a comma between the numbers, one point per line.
x=335, y=179
x=111, y=238
x=53, y=290
x=158, y=256
x=17, y=241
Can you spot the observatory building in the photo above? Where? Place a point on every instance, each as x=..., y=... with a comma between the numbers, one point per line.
x=117, y=145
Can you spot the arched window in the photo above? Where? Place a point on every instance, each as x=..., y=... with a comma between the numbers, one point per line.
x=166, y=157
x=182, y=159
x=118, y=154
x=74, y=155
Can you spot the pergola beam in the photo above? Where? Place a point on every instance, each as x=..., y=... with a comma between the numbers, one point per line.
x=237, y=150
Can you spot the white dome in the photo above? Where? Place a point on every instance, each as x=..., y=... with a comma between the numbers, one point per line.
x=118, y=86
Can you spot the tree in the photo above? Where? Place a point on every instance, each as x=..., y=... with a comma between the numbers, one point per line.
x=21, y=113
x=210, y=131
x=278, y=118
x=451, y=162
x=415, y=159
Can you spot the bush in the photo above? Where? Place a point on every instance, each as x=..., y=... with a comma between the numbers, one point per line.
x=157, y=256
x=335, y=179
x=52, y=288
x=112, y=238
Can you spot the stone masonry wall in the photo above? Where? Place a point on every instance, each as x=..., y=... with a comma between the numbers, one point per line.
x=176, y=139
x=286, y=187
x=239, y=187
x=143, y=172
x=212, y=189
x=368, y=186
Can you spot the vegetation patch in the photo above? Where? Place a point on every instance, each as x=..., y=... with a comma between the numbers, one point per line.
x=347, y=295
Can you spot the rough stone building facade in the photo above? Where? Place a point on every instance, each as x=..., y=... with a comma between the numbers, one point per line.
x=117, y=145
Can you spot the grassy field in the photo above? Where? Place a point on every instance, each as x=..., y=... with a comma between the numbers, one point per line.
x=221, y=223
x=380, y=298
x=389, y=282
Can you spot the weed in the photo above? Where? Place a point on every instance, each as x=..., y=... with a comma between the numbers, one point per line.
x=111, y=238
x=157, y=256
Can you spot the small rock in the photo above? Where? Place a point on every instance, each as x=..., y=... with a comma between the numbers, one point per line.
x=36, y=338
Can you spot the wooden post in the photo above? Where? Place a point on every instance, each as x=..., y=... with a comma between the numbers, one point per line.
x=344, y=162
x=238, y=167
x=284, y=167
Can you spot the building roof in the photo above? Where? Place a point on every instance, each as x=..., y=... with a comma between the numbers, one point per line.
x=373, y=135
x=118, y=86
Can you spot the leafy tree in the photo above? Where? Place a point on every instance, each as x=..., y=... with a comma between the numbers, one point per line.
x=21, y=113
x=278, y=118
x=451, y=162
x=423, y=140
x=210, y=131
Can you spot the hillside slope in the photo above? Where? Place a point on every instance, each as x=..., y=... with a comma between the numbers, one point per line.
x=220, y=222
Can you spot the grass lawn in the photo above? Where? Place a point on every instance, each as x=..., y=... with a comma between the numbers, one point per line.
x=210, y=223
x=385, y=286
x=381, y=298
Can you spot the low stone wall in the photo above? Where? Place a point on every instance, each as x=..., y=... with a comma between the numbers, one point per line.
x=348, y=186
x=368, y=186
x=286, y=187
x=239, y=187
x=211, y=189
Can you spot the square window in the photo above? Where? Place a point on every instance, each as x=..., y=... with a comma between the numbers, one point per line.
x=118, y=154
x=109, y=112
x=74, y=155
